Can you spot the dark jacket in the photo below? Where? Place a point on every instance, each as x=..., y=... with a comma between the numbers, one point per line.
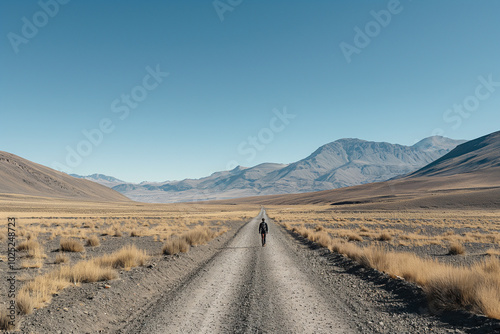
x=263, y=228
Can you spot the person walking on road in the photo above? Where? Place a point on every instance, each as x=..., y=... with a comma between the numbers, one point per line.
x=263, y=229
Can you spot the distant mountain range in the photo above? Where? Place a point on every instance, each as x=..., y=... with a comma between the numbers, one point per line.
x=466, y=177
x=342, y=163
x=23, y=177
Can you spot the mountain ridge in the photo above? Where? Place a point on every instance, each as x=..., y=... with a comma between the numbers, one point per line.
x=342, y=163
x=466, y=177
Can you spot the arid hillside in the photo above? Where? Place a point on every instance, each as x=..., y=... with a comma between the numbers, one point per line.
x=23, y=177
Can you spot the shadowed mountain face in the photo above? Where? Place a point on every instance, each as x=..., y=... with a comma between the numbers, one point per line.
x=342, y=163
x=482, y=154
x=20, y=176
x=467, y=176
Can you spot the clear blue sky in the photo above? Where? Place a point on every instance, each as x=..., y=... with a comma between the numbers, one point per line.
x=87, y=64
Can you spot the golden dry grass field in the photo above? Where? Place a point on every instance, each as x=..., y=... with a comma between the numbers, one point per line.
x=64, y=242
x=452, y=255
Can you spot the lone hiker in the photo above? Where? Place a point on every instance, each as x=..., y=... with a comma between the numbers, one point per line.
x=263, y=229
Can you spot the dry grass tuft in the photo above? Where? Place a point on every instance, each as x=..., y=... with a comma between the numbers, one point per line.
x=93, y=241
x=175, y=245
x=70, y=245
x=384, y=236
x=475, y=288
x=5, y=322
x=128, y=257
x=37, y=292
x=118, y=233
x=456, y=248
x=35, y=251
x=87, y=272
x=25, y=302
x=28, y=245
x=354, y=237
x=135, y=233
x=61, y=258
x=199, y=236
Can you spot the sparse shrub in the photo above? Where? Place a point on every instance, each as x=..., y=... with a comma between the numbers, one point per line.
x=456, y=248
x=87, y=272
x=200, y=236
x=70, y=245
x=127, y=257
x=354, y=237
x=93, y=241
x=61, y=258
x=28, y=245
x=39, y=291
x=384, y=236
x=196, y=237
x=24, y=302
x=33, y=248
x=476, y=289
x=175, y=245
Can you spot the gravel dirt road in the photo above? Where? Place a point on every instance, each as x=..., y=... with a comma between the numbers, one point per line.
x=248, y=288
x=287, y=288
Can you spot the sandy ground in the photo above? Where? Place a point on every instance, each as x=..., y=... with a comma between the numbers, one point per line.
x=233, y=285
